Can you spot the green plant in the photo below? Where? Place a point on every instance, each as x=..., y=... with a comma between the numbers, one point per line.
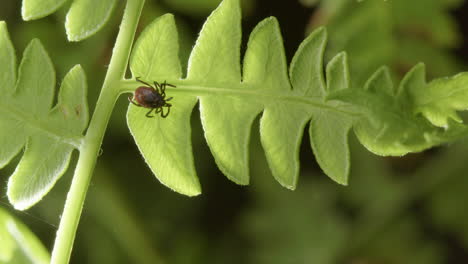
x=19, y=245
x=387, y=120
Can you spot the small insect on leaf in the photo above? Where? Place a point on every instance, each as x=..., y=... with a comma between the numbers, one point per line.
x=152, y=97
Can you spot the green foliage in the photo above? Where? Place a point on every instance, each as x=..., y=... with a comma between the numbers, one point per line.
x=229, y=106
x=165, y=142
x=19, y=245
x=49, y=135
x=202, y=8
x=396, y=33
x=443, y=206
x=440, y=99
x=407, y=243
x=322, y=243
x=194, y=8
x=385, y=119
x=392, y=126
x=34, y=9
x=84, y=18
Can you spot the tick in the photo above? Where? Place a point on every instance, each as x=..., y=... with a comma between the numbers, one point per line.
x=153, y=97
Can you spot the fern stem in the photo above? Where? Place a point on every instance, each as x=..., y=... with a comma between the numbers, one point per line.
x=93, y=138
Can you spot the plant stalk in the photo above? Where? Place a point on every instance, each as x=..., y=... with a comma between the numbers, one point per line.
x=93, y=139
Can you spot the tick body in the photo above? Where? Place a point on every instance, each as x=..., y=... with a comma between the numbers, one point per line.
x=152, y=97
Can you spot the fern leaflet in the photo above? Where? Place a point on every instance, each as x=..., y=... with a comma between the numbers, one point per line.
x=84, y=18
x=48, y=135
x=385, y=120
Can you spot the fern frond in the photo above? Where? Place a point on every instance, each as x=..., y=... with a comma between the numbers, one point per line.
x=84, y=18
x=392, y=124
x=229, y=102
x=27, y=120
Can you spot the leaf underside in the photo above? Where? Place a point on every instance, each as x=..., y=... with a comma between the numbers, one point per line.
x=84, y=18
x=48, y=135
x=387, y=121
x=19, y=245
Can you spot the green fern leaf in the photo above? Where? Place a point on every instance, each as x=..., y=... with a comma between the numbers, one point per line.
x=19, y=245
x=229, y=104
x=385, y=119
x=87, y=17
x=48, y=135
x=330, y=125
x=165, y=142
x=35, y=9
x=439, y=100
x=392, y=125
x=84, y=18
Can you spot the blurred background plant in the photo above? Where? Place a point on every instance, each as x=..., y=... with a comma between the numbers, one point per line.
x=395, y=210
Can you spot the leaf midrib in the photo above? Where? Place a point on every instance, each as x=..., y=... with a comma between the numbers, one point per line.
x=38, y=125
x=316, y=102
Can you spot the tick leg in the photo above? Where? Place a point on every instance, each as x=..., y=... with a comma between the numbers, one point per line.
x=130, y=99
x=170, y=85
x=139, y=80
x=168, y=110
x=159, y=88
x=158, y=110
x=168, y=99
x=149, y=112
x=163, y=89
x=157, y=85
